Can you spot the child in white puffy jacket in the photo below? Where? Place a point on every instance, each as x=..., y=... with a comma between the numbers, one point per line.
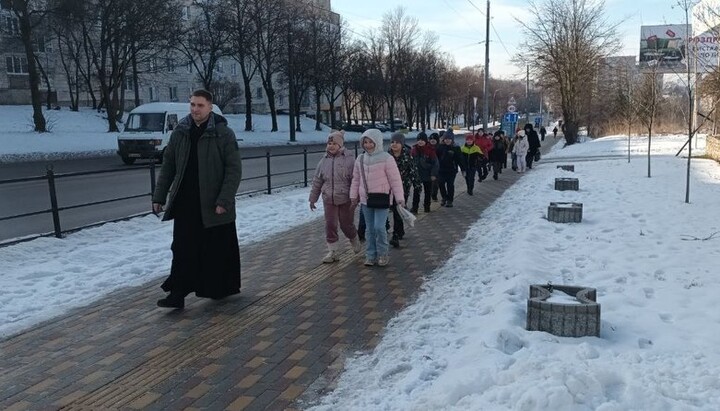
x=520, y=149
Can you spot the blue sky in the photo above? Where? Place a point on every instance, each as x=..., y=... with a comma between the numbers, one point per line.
x=460, y=25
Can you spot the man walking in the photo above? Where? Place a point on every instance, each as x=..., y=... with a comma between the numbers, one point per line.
x=202, y=170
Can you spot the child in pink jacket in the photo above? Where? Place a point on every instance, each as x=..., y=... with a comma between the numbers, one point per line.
x=332, y=179
x=376, y=170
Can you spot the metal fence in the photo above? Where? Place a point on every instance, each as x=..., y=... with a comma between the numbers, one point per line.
x=51, y=177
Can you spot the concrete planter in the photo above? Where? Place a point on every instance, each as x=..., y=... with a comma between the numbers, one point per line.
x=565, y=212
x=563, y=184
x=565, y=320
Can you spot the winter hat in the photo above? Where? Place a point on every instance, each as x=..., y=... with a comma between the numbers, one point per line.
x=376, y=136
x=449, y=133
x=528, y=127
x=435, y=136
x=521, y=133
x=337, y=137
x=469, y=137
x=422, y=136
x=399, y=137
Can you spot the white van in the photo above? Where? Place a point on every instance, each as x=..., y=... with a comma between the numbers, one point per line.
x=148, y=128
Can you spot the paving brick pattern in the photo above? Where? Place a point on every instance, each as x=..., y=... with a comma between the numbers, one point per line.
x=280, y=344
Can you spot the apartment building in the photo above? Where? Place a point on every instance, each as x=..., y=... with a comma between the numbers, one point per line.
x=167, y=77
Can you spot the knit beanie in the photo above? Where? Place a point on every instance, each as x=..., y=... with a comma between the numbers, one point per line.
x=399, y=137
x=422, y=136
x=337, y=137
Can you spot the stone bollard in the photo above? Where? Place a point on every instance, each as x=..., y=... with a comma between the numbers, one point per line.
x=567, y=167
x=578, y=319
x=562, y=184
x=565, y=212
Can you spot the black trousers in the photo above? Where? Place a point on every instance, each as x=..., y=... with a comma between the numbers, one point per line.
x=446, y=184
x=427, y=188
x=470, y=178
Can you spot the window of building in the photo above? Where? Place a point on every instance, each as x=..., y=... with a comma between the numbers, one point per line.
x=219, y=67
x=152, y=93
x=129, y=83
x=173, y=93
x=170, y=64
x=186, y=13
x=11, y=25
x=190, y=67
x=16, y=65
x=259, y=92
x=152, y=66
x=233, y=69
x=281, y=100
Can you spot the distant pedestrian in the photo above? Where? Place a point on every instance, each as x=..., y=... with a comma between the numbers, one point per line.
x=375, y=180
x=435, y=142
x=426, y=163
x=201, y=171
x=498, y=154
x=410, y=179
x=449, y=159
x=542, y=133
x=520, y=148
x=533, y=143
x=332, y=179
x=471, y=156
x=555, y=130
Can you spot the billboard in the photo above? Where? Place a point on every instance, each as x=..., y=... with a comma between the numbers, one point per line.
x=664, y=48
x=705, y=48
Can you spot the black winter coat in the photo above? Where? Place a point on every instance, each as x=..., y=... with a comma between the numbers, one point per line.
x=450, y=158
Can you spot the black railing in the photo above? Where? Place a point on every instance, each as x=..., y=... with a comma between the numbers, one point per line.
x=51, y=177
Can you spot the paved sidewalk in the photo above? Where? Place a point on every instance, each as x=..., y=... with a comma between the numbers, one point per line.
x=280, y=344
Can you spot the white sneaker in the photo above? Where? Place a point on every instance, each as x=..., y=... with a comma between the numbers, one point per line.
x=383, y=261
x=331, y=257
x=356, y=246
x=368, y=262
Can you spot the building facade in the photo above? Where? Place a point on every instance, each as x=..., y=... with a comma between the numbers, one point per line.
x=170, y=77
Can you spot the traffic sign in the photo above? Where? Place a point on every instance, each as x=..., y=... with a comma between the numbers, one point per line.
x=510, y=118
x=512, y=109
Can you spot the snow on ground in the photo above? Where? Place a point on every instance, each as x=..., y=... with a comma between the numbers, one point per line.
x=46, y=277
x=462, y=345
x=84, y=134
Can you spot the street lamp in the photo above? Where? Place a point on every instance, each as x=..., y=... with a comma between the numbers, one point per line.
x=495, y=107
x=474, y=105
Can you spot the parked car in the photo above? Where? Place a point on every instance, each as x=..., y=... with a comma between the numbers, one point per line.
x=359, y=128
x=380, y=126
x=398, y=124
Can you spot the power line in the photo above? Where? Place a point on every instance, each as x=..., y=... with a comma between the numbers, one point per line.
x=493, y=28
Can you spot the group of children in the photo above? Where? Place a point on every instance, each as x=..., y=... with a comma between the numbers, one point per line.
x=380, y=181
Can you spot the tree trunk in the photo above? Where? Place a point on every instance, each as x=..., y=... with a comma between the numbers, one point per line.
x=34, y=78
x=248, y=103
x=271, y=103
x=318, y=112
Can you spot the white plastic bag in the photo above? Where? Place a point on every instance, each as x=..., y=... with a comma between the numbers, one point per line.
x=407, y=217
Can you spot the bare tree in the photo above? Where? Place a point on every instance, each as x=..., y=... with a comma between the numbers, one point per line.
x=573, y=35
x=270, y=22
x=647, y=102
x=243, y=33
x=30, y=15
x=114, y=33
x=205, y=39
x=397, y=40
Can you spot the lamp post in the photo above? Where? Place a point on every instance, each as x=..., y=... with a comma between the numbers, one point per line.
x=527, y=93
x=495, y=107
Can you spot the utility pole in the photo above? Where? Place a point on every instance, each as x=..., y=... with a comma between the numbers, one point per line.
x=527, y=93
x=486, y=80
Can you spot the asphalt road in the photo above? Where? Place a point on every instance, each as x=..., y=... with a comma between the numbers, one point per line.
x=33, y=196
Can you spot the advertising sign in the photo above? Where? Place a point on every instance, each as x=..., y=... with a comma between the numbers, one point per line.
x=705, y=47
x=664, y=48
